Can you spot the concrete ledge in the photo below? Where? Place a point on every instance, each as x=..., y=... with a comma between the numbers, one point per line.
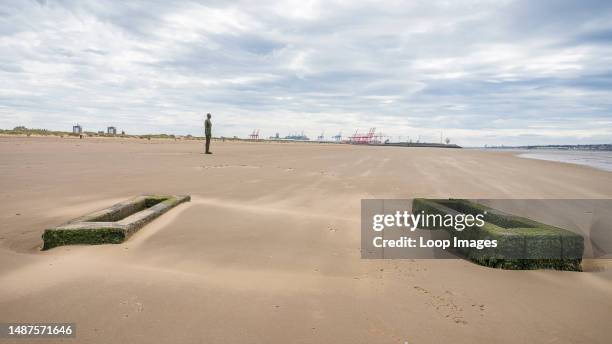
x=523, y=244
x=112, y=225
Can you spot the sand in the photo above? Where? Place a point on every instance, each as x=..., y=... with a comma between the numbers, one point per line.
x=268, y=249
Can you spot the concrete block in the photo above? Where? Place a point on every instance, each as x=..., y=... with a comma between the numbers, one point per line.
x=112, y=225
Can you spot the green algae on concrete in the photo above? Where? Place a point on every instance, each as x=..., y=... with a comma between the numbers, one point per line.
x=112, y=225
x=522, y=243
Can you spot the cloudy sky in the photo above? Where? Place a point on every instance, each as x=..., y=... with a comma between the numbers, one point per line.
x=479, y=72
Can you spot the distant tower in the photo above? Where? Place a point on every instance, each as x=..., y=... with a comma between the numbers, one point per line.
x=111, y=131
x=77, y=129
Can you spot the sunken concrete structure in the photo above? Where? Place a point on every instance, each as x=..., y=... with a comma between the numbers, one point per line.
x=112, y=225
x=523, y=244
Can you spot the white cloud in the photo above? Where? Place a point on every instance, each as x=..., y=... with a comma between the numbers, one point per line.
x=479, y=71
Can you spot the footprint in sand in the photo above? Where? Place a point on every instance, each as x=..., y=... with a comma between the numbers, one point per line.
x=480, y=308
x=445, y=305
x=133, y=305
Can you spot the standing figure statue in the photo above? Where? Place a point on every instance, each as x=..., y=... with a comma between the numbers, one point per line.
x=208, y=132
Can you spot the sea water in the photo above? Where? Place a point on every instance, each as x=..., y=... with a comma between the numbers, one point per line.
x=598, y=159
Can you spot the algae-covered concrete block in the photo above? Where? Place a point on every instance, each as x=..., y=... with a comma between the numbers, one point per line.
x=522, y=243
x=112, y=225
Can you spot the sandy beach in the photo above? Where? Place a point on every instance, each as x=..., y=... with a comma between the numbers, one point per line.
x=267, y=251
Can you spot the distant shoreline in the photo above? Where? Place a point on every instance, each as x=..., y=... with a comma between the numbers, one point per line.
x=25, y=132
x=585, y=147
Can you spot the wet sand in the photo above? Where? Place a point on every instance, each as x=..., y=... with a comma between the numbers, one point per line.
x=268, y=249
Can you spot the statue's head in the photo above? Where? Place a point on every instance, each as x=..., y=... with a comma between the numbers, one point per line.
x=208, y=116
